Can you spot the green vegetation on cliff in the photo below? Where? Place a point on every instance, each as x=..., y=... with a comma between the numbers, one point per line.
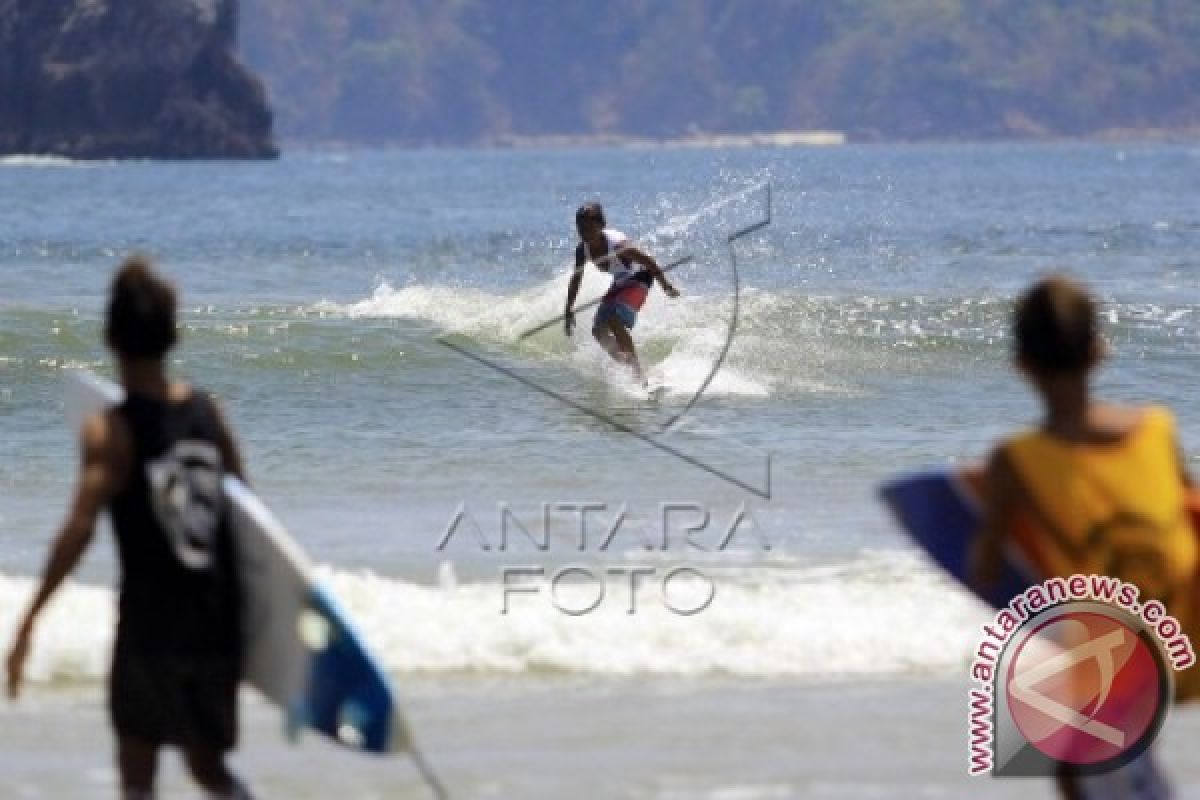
x=470, y=70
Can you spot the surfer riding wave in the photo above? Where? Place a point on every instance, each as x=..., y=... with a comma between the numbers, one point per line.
x=633, y=274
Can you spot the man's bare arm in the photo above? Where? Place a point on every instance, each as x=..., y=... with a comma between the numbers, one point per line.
x=652, y=267
x=573, y=291
x=231, y=456
x=1000, y=497
x=98, y=482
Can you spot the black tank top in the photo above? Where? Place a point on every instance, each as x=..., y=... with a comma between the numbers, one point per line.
x=179, y=584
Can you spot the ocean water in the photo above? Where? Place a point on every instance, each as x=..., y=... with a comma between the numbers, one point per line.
x=363, y=318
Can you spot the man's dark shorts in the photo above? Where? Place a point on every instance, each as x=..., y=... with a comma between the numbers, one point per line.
x=167, y=699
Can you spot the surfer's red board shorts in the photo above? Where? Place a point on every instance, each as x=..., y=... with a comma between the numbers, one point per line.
x=623, y=302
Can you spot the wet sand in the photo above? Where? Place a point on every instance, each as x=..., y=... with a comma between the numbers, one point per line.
x=569, y=738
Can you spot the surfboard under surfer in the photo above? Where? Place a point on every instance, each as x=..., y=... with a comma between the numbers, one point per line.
x=633, y=274
x=155, y=463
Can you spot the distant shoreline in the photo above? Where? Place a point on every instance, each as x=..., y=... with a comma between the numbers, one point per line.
x=775, y=139
x=808, y=138
x=717, y=141
x=584, y=141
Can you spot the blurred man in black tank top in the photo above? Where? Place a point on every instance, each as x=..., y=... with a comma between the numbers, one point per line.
x=155, y=462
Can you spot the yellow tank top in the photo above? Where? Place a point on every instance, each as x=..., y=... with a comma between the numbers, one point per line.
x=1120, y=510
x=1116, y=509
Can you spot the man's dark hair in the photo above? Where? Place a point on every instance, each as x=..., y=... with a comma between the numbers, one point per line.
x=141, y=311
x=589, y=212
x=1056, y=327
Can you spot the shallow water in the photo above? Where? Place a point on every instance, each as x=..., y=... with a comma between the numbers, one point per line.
x=361, y=316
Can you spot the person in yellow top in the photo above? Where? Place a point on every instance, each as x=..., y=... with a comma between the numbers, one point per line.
x=1105, y=485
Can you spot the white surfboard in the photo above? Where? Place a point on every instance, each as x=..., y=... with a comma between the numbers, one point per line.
x=301, y=651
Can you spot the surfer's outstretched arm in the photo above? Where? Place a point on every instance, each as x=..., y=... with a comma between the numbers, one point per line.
x=97, y=483
x=652, y=267
x=573, y=291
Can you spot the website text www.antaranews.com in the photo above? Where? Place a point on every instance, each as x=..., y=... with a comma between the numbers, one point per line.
x=1037, y=598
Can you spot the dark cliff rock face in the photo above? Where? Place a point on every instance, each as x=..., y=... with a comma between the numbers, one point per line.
x=128, y=79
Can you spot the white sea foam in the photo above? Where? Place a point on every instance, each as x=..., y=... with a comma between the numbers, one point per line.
x=680, y=339
x=73, y=636
x=869, y=617
x=785, y=342
x=35, y=161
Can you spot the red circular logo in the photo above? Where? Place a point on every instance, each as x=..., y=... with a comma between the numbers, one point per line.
x=1086, y=687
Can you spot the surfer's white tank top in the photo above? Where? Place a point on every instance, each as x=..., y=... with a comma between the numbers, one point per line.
x=609, y=262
